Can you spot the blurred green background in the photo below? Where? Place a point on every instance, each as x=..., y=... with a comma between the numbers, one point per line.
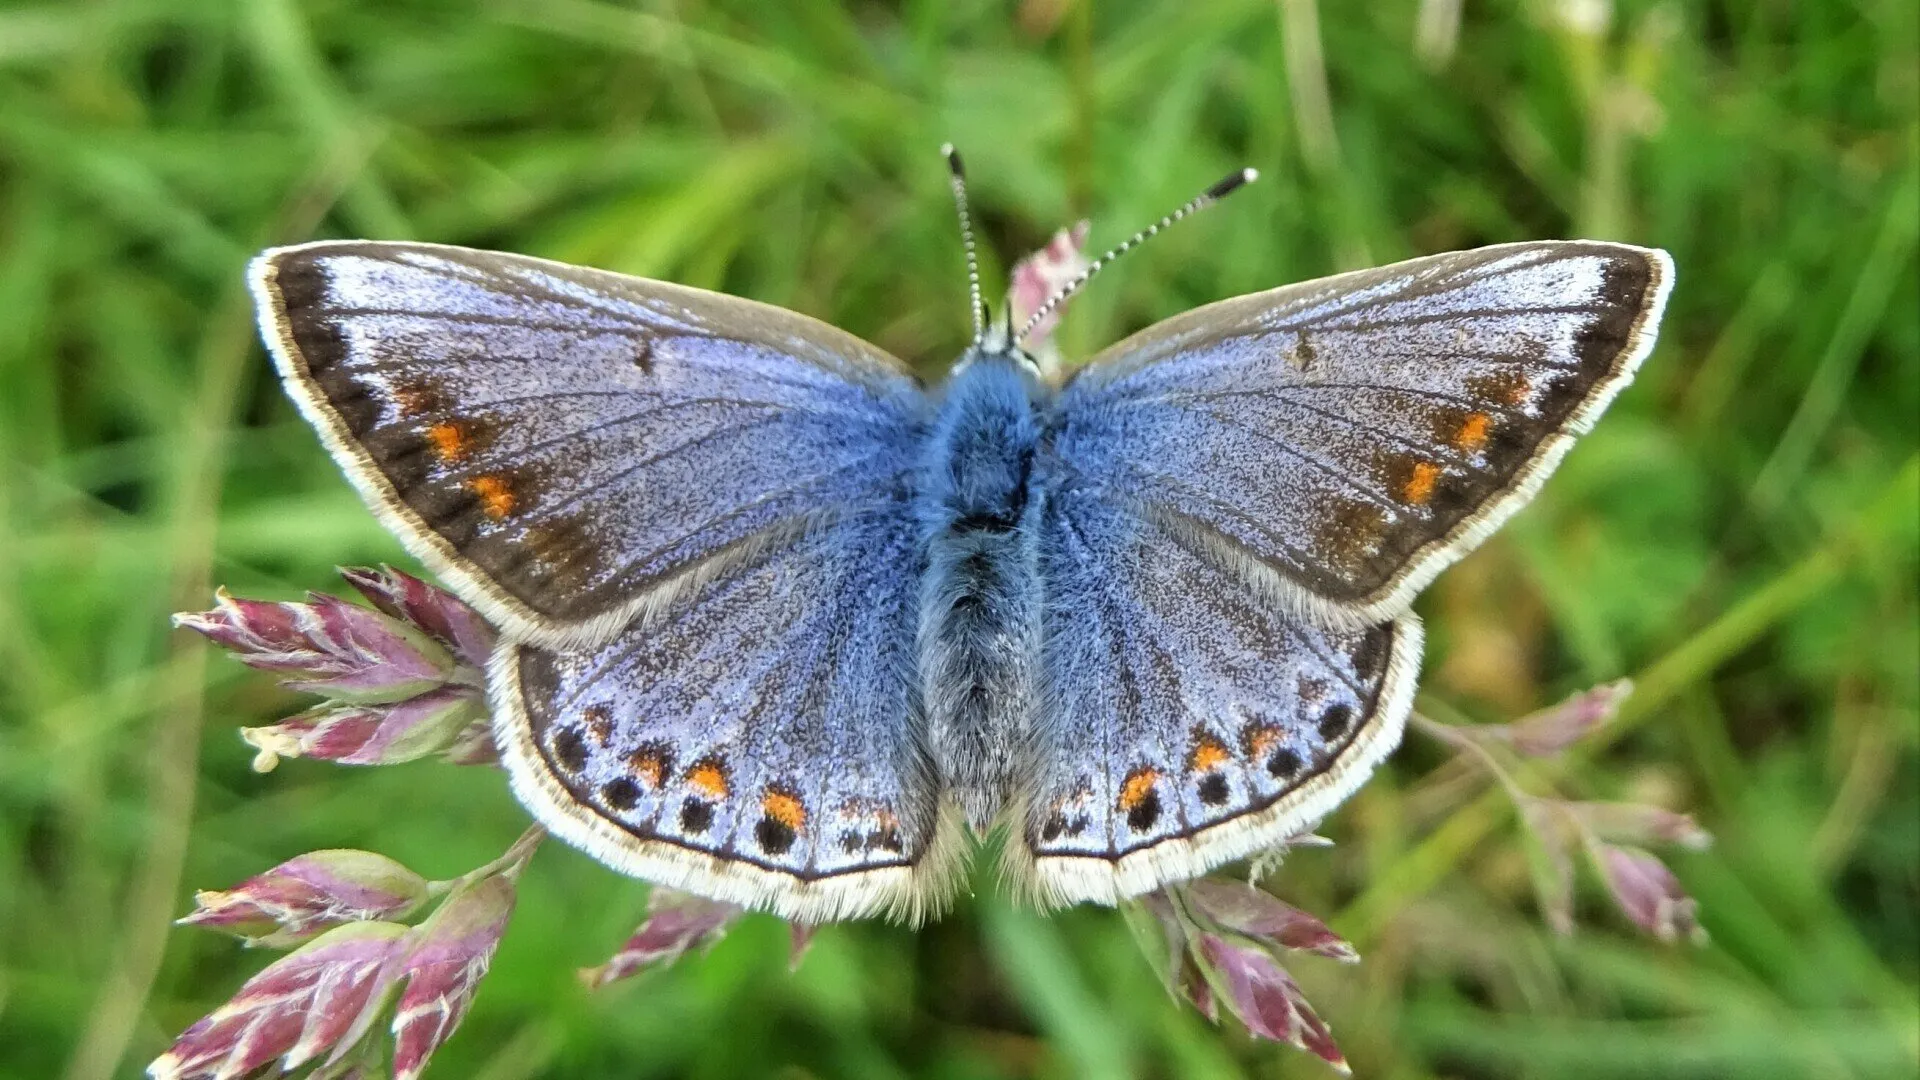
x=1739, y=535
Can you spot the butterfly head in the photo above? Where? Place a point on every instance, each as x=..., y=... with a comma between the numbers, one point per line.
x=998, y=343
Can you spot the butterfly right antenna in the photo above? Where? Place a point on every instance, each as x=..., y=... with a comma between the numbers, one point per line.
x=1226, y=186
x=957, y=175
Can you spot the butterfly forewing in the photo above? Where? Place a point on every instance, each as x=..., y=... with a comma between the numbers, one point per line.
x=1191, y=720
x=1342, y=441
x=567, y=446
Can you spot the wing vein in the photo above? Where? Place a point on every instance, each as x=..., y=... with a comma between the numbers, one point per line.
x=1108, y=631
x=524, y=453
x=1367, y=493
x=1287, y=392
x=1456, y=316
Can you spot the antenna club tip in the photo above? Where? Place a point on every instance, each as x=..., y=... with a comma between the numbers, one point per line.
x=953, y=159
x=1232, y=181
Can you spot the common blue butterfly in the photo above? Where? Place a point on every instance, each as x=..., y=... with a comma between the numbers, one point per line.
x=779, y=624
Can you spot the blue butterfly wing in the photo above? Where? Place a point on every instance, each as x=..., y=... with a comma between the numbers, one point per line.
x=757, y=742
x=1191, y=721
x=568, y=447
x=1239, y=506
x=690, y=516
x=1342, y=441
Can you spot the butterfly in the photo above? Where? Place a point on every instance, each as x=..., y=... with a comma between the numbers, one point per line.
x=780, y=625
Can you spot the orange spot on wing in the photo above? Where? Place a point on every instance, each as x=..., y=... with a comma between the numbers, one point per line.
x=416, y=399
x=1138, y=786
x=1420, y=487
x=1473, y=433
x=449, y=441
x=599, y=723
x=496, y=498
x=1207, y=754
x=650, y=766
x=784, y=808
x=709, y=778
x=1512, y=388
x=1260, y=739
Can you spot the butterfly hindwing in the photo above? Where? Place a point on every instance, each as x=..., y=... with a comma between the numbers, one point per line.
x=567, y=447
x=755, y=744
x=1191, y=720
x=1341, y=441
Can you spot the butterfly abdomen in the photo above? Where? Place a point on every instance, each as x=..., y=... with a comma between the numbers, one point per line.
x=980, y=599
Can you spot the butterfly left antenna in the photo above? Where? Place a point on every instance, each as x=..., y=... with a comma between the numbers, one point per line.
x=957, y=175
x=1225, y=186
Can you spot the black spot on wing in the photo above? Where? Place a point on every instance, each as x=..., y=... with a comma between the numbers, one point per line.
x=1284, y=764
x=569, y=750
x=1144, y=812
x=696, y=816
x=1214, y=789
x=1334, y=722
x=620, y=793
x=774, y=837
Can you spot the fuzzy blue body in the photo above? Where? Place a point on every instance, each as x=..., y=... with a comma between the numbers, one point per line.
x=980, y=609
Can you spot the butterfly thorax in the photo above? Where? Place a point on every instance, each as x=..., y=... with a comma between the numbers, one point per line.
x=980, y=603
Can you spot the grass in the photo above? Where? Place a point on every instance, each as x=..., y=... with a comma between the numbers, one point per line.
x=1740, y=534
